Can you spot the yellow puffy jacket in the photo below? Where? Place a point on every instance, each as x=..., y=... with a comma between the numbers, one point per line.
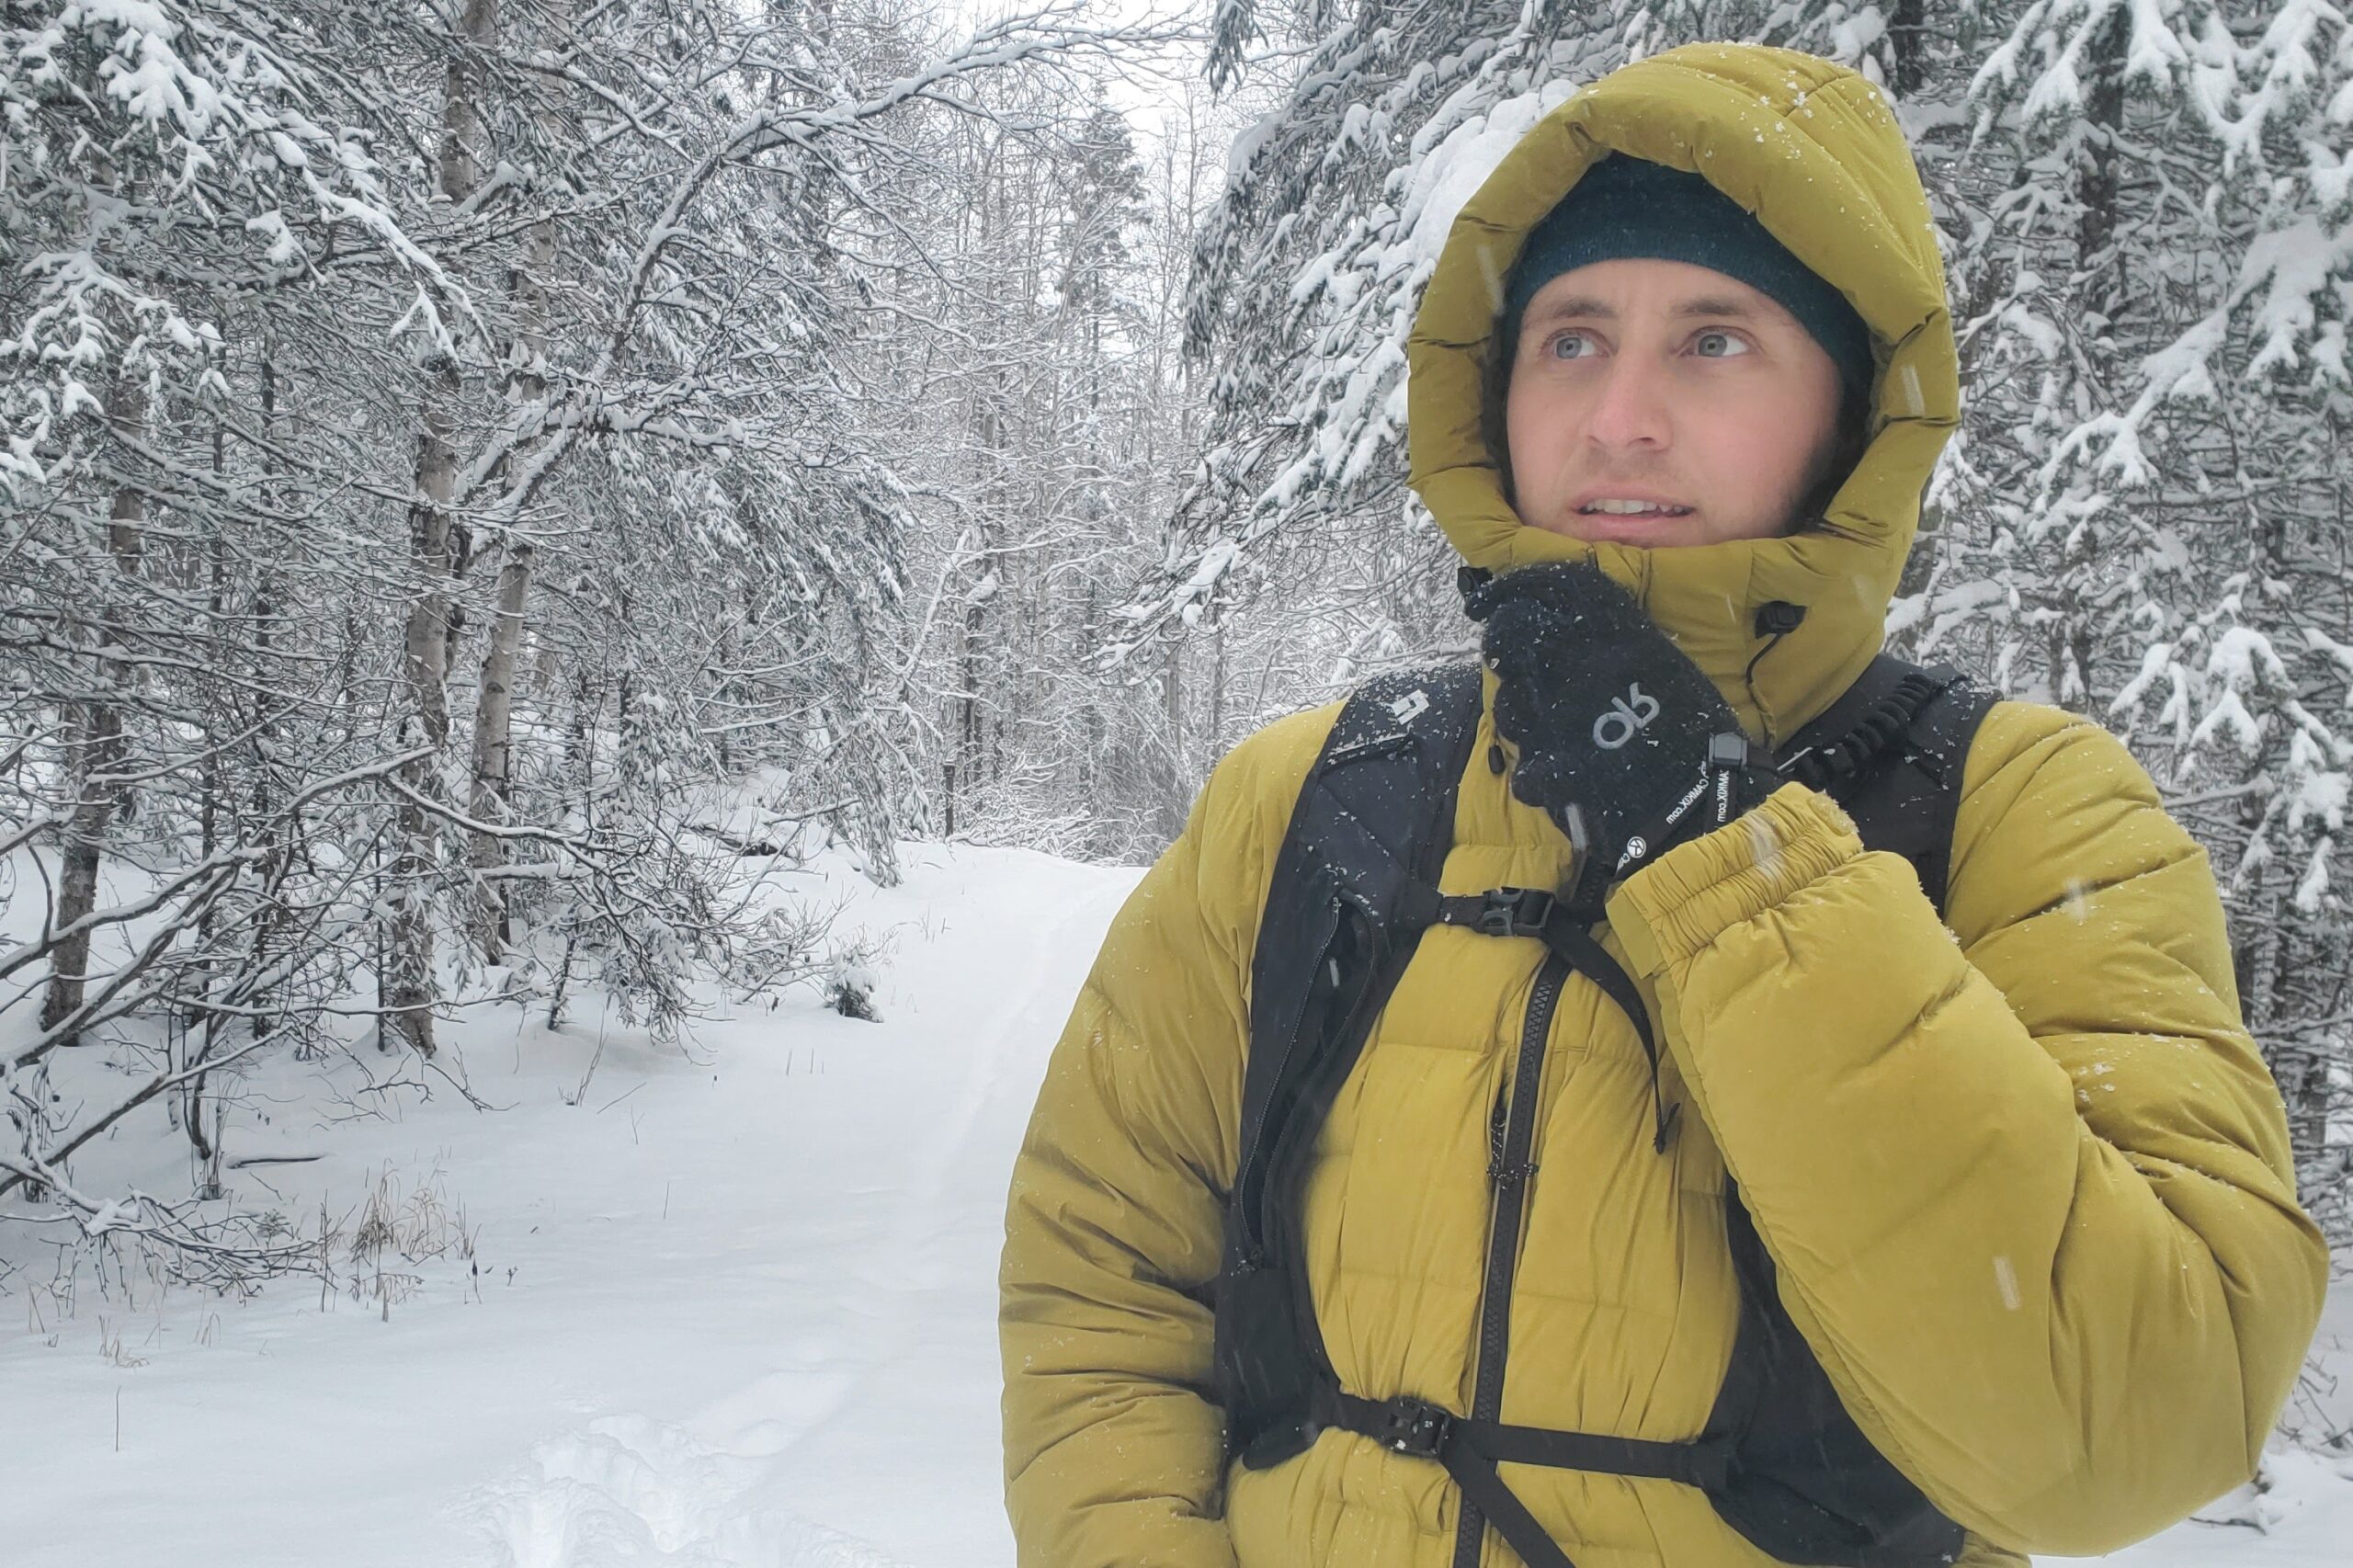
x=2026, y=1180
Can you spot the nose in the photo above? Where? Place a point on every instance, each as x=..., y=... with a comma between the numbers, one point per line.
x=1630, y=409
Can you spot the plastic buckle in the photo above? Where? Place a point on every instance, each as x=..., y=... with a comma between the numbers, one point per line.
x=1516, y=912
x=1416, y=1427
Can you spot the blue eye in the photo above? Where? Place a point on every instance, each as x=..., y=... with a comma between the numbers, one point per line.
x=1715, y=345
x=1570, y=345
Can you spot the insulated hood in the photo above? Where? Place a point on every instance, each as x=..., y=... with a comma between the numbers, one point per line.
x=1812, y=149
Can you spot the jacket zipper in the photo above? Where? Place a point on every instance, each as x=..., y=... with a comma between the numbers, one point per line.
x=1511, y=1175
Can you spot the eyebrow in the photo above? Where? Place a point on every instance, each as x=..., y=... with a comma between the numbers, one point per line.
x=1575, y=307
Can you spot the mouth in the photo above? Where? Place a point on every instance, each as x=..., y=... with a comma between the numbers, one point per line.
x=1629, y=506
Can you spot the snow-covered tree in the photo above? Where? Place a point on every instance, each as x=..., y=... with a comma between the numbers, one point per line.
x=1308, y=272
x=456, y=541
x=2152, y=208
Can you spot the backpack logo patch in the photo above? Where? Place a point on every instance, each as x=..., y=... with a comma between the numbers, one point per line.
x=1411, y=706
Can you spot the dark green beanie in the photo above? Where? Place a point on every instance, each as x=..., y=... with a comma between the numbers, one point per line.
x=1628, y=208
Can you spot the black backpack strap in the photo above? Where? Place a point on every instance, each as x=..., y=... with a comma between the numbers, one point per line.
x=1562, y=925
x=1891, y=751
x=1348, y=902
x=1470, y=1450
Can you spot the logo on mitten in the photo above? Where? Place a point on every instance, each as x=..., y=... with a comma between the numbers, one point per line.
x=1627, y=718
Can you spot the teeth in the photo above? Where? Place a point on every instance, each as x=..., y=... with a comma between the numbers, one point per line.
x=1631, y=508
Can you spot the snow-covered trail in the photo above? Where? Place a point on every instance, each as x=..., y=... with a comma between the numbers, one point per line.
x=750, y=1323
x=859, y=1427
x=734, y=1311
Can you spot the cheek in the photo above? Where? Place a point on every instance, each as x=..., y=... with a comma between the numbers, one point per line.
x=1537, y=426
x=1520, y=422
x=1773, y=446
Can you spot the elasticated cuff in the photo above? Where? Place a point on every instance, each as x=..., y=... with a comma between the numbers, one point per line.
x=1695, y=893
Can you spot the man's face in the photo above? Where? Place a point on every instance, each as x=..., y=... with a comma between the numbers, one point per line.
x=1656, y=402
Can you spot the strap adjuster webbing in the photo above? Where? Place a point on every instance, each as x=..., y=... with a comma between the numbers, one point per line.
x=1472, y=1450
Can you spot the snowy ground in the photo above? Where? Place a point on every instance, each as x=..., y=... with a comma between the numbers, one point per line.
x=734, y=1311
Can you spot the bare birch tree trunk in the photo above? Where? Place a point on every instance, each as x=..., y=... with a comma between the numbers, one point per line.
x=493, y=726
x=410, y=989
x=494, y=775
x=491, y=797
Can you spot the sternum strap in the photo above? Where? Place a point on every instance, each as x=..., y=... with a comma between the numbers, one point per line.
x=1470, y=1450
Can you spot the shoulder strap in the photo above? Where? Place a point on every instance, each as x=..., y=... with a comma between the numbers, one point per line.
x=1370, y=829
x=1374, y=819
x=1891, y=751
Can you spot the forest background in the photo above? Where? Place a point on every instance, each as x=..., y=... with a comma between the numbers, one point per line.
x=453, y=450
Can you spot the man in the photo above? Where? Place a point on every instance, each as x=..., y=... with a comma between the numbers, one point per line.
x=2021, y=1172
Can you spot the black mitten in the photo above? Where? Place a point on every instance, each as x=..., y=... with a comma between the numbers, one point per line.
x=1621, y=738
